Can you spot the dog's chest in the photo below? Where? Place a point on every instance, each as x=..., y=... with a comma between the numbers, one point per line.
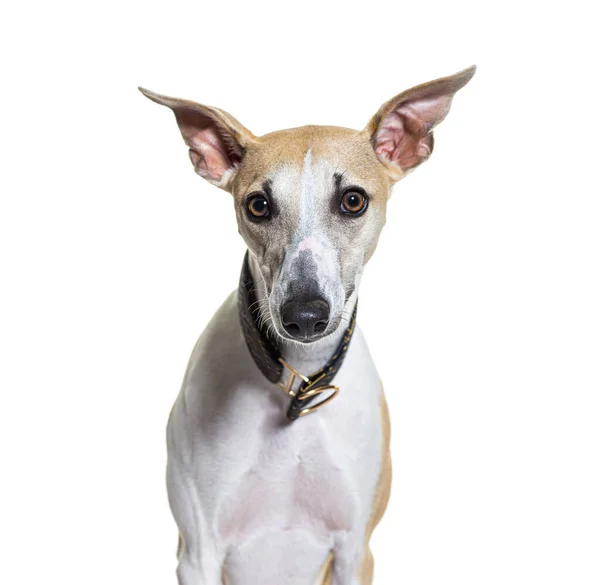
x=299, y=478
x=255, y=474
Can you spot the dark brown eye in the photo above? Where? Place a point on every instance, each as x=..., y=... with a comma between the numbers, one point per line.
x=258, y=206
x=353, y=202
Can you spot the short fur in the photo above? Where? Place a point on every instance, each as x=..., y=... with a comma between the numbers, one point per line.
x=257, y=499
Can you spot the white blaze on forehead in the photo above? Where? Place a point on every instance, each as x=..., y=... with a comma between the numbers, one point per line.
x=308, y=236
x=308, y=194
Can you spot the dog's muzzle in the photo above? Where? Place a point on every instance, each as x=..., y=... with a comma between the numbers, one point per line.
x=305, y=320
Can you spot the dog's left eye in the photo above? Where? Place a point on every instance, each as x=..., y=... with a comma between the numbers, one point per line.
x=353, y=202
x=258, y=206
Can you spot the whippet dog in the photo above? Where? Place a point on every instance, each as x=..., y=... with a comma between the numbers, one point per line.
x=278, y=443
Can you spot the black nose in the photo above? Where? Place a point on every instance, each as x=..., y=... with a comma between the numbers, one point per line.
x=305, y=319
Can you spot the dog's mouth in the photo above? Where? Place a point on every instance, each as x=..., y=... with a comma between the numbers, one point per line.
x=306, y=340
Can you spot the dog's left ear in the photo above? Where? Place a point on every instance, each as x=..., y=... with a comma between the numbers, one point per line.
x=217, y=141
x=401, y=132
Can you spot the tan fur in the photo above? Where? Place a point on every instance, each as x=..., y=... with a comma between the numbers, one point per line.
x=325, y=575
x=179, y=546
x=350, y=149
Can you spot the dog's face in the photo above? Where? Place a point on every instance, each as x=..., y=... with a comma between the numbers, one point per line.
x=311, y=201
x=310, y=204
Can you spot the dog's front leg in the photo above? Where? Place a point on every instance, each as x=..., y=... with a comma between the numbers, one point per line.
x=199, y=555
x=199, y=559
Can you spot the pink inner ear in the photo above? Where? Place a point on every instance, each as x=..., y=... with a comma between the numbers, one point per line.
x=208, y=153
x=404, y=136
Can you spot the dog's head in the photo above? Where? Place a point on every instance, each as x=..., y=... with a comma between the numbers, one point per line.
x=311, y=201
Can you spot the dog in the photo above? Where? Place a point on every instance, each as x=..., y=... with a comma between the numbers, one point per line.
x=278, y=444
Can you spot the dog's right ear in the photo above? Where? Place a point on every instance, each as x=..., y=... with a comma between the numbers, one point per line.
x=217, y=141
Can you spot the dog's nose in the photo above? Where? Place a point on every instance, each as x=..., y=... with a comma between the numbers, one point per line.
x=305, y=319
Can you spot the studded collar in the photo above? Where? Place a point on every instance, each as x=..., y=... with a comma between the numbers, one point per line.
x=268, y=358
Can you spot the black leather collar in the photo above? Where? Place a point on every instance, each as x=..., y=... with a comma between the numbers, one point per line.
x=268, y=358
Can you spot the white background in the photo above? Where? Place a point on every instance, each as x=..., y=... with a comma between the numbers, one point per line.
x=480, y=305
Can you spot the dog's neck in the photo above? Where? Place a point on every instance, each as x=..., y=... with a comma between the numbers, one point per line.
x=306, y=358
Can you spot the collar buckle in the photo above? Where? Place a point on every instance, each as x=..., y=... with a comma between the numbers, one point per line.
x=308, y=390
x=287, y=387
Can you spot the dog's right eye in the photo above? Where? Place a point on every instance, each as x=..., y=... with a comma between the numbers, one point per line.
x=258, y=206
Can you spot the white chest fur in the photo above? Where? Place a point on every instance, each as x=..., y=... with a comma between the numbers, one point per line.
x=250, y=491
